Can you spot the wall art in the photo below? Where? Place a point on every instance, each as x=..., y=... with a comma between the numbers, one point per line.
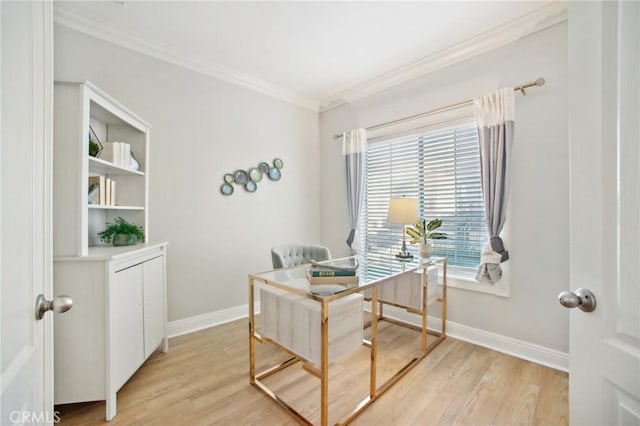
x=249, y=179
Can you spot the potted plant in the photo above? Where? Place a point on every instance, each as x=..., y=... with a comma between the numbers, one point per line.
x=423, y=233
x=95, y=146
x=122, y=233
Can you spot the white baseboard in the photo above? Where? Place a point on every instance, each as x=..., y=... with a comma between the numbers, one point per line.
x=508, y=345
x=211, y=319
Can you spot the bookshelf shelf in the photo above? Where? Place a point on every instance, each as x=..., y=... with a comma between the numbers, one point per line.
x=100, y=207
x=97, y=165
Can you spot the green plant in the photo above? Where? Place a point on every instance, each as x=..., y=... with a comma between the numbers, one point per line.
x=95, y=147
x=423, y=231
x=121, y=226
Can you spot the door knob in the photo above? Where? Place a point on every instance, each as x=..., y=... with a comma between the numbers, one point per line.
x=582, y=298
x=60, y=304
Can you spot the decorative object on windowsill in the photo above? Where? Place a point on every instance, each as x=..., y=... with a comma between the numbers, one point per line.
x=403, y=210
x=423, y=233
x=122, y=233
x=95, y=146
x=249, y=179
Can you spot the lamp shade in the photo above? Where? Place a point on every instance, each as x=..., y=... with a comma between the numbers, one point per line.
x=403, y=210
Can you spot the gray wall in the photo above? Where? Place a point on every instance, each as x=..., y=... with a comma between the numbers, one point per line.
x=203, y=128
x=539, y=210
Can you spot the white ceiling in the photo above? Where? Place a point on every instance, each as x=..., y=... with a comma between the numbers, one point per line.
x=312, y=51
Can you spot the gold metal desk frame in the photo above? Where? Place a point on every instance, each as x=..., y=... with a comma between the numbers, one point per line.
x=375, y=391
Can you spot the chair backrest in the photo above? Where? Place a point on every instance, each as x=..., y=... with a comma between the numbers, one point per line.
x=287, y=255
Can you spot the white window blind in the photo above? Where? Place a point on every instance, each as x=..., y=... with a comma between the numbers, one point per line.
x=442, y=169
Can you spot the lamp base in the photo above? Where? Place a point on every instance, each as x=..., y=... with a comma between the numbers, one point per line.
x=405, y=255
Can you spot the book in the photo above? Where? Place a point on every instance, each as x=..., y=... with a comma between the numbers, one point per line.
x=110, y=152
x=337, y=265
x=324, y=272
x=97, y=190
x=107, y=192
x=352, y=279
x=112, y=200
x=125, y=155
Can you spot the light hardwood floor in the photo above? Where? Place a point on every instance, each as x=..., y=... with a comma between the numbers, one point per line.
x=204, y=380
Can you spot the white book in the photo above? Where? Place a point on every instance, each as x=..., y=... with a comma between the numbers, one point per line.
x=126, y=155
x=103, y=200
x=117, y=154
x=108, y=192
x=113, y=192
x=108, y=152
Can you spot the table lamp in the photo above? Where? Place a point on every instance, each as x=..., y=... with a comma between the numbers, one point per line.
x=403, y=210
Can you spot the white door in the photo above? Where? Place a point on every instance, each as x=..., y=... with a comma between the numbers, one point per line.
x=25, y=217
x=604, y=108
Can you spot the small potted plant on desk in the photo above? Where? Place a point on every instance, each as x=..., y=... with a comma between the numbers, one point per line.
x=122, y=233
x=423, y=233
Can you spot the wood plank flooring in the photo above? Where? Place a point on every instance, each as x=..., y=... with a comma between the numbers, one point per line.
x=204, y=380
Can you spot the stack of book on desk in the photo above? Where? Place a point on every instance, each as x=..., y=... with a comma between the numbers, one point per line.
x=330, y=274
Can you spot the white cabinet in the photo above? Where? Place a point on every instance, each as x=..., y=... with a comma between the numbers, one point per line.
x=117, y=321
x=119, y=314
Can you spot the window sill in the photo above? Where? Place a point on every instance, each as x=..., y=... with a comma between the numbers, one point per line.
x=464, y=280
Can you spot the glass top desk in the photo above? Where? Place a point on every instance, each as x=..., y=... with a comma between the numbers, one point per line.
x=383, y=280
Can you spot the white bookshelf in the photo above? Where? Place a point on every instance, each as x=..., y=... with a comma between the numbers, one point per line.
x=119, y=315
x=76, y=222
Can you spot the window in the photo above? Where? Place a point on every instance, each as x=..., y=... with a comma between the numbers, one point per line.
x=442, y=169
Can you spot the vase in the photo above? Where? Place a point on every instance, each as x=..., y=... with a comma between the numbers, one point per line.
x=424, y=250
x=124, y=239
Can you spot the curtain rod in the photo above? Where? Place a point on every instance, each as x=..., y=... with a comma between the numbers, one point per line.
x=538, y=82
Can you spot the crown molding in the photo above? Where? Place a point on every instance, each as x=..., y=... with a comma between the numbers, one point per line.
x=79, y=21
x=540, y=19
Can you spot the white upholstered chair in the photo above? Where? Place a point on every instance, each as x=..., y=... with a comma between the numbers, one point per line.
x=287, y=255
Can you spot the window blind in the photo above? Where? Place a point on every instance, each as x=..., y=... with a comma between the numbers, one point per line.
x=442, y=169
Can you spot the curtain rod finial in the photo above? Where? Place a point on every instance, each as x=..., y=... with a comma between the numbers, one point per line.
x=540, y=81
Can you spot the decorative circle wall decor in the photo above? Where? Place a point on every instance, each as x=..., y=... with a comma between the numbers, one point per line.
x=255, y=174
x=264, y=167
x=226, y=189
x=248, y=179
x=240, y=177
x=274, y=174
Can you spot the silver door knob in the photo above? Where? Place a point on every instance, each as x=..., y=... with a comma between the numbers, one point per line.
x=60, y=304
x=582, y=298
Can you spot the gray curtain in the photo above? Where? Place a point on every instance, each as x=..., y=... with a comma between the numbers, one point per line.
x=495, y=118
x=354, y=148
